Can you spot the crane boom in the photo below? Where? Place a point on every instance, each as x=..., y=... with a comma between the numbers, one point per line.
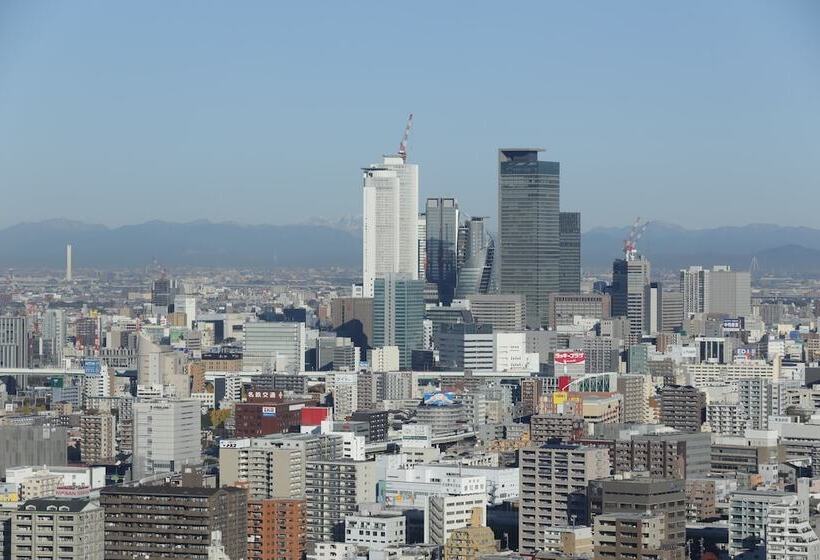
x=403, y=143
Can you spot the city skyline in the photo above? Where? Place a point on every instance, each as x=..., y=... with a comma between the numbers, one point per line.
x=625, y=122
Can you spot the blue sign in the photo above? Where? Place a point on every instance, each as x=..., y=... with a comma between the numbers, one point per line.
x=92, y=367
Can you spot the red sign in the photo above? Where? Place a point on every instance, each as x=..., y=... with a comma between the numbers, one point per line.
x=563, y=382
x=568, y=357
x=313, y=415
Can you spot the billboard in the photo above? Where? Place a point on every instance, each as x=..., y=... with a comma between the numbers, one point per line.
x=569, y=357
x=742, y=354
x=9, y=493
x=559, y=397
x=439, y=398
x=234, y=443
x=732, y=325
x=563, y=382
x=92, y=367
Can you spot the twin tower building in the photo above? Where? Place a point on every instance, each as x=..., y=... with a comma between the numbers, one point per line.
x=535, y=252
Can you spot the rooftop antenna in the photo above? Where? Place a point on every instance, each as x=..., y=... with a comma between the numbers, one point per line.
x=403, y=143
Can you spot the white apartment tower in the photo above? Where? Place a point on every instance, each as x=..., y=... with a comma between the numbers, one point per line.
x=390, y=220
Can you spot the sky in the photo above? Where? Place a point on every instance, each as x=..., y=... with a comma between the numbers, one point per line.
x=698, y=113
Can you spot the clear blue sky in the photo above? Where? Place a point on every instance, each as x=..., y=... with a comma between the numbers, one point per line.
x=700, y=113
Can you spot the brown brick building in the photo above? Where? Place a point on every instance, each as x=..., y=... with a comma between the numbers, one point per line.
x=276, y=529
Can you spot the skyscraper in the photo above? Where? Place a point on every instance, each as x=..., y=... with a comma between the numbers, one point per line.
x=694, y=283
x=442, y=236
x=13, y=342
x=398, y=315
x=629, y=281
x=390, y=223
x=528, y=249
x=570, y=273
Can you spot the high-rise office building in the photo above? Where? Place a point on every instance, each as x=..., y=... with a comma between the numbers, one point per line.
x=528, y=247
x=54, y=336
x=390, y=220
x=570, y=275
x=166, y=436
x=553, y=488
x=630, y=277
x=730, y=292
x=398, y=315
x=162, y=292
x=466, y=346
x=719, y=290
x=694, y=285
x=475, y=265
x=422, y=243
x=14, y=351
x=442, y=237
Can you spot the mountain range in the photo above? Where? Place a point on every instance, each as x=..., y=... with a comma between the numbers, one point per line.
x=318, y=243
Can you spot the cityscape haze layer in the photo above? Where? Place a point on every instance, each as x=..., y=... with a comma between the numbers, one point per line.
x=250, y=309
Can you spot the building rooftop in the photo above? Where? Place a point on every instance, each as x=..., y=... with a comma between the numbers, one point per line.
x=59, y=504
x=166, y=490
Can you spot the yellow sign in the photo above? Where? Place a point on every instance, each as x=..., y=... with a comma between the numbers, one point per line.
x=8, y=497
x=559, y=397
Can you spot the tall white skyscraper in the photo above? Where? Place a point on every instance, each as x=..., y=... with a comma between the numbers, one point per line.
x=390, y=224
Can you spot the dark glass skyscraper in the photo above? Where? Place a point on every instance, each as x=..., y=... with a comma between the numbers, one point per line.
x=570, y=274
x=442, y=239
x=528, y=248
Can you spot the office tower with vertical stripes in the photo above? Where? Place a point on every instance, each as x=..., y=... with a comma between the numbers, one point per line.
x=529, y=245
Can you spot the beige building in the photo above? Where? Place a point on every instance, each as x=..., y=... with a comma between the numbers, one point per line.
x=553, y=488
x=470, y=543
x=58, y=529
x=98, y=433
x=633, y=536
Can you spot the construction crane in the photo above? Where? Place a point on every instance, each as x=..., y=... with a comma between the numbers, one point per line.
x=631, y=242
x=403, y=143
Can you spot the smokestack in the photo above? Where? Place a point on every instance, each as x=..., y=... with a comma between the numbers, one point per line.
x=68, y=262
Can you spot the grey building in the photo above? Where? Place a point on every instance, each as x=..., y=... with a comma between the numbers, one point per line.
x=569, y=280
x=334, y=490
x=58, y=529
x=37, y=444
x=683, y=407
x=640, y=495
x=465, y=346
x=505, y=312
x=13, y=342
x=528, y=249
x=441, y=245
x=565, y=305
